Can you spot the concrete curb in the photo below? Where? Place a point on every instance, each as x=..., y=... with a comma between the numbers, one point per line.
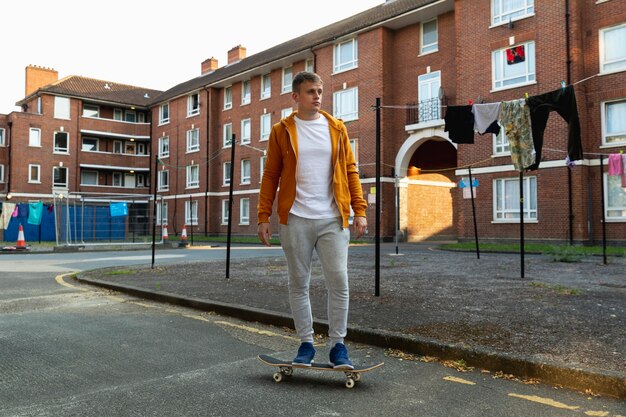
x=599, y=381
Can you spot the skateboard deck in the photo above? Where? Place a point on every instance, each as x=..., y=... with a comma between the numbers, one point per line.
x=285, y=368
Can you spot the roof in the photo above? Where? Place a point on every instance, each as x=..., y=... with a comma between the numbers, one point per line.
x=98, y=90
x=371, y=17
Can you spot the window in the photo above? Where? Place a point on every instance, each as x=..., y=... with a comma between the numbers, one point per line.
x=130, y=116
x=266, y=126
x=164, y=113
x=615, y=206
x=612, y=51
x=91, y=110
x=161, y=213
x=226, y=173
x=262, y=167
x=346, y=104
x=245, y=171
x=118, y=146
x=428, y=86
x=266, y=86
x=141, y=117
x=61, y=142
x=345, y=55
x=118, y=179
x=225, y=211
x=246, y=95
x=286, y=112
x=512, y=67
x=244, y=211
x=430, y=39
x=228, y=98
x=118, y=114
x=354, y=145
x=163, y=181
x=193, y=140
x=287, y=79
x=164, y=147
x=228, y=134
x=61, y=108
x=191, y=212
x=245, y=131
x=34, y=173
x=504, y=10
x=142, y=149
x=89, y=178
x=506, y=199
x=501, y=143
x=39, y=111
x=130, y=148
x=308, y=65
x=34, y=137
x=59, y=177
x=2, y=137
x=614, y=123
x=2, y=173
x=193, y=176
x=193, y=104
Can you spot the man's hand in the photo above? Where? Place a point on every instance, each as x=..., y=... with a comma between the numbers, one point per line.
x=265, y=233
x=360, y=226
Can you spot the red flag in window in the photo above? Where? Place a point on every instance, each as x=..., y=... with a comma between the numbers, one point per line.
x=515, y=55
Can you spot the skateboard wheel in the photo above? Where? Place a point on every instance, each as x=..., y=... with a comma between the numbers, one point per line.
x=278, y=377
x=350, y=383
x=357, y=377
x=288, y=371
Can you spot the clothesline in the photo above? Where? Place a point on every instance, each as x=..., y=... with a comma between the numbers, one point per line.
x=586, y=153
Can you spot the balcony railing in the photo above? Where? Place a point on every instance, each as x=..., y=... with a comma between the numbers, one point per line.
x=425, y=111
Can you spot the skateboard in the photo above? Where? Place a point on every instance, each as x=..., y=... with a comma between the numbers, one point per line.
x=285, y=368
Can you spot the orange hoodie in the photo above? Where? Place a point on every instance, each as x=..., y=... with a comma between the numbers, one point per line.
x=280, y=167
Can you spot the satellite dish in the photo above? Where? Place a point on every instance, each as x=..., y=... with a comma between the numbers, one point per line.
x=441, y=93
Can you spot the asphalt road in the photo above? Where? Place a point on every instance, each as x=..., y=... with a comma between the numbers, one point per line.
x=69, y=350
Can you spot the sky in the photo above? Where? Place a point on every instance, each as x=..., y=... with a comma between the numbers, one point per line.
x=153, y=44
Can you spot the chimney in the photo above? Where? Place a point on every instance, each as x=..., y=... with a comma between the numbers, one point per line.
x=37, y=77
x=209, y=65
x=236, y=54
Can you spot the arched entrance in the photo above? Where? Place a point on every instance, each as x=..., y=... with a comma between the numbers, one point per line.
x=426, y=163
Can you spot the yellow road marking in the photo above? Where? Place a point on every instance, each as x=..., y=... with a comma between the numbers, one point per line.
x=459, y=380
x=545, y=401
x=254, y=330
x=59, y=279
x=597, y=413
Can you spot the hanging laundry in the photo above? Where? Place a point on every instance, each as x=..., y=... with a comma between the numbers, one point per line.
x=35, y=211
x=515, y=118
x=623, y=170
x=119, y=209
x=563, y=101
x=50, y=207
x=23, y=210
x=486, y=118
x=16, y=211
x=7, y=213
x=515, y=55
x=460, y=124
x=616, y=166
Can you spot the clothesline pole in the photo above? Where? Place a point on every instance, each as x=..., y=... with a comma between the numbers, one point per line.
x=602, y=209
x=474, y=212
x=154, y=208
x=378, y=195
x=521, y=221
x=570, y=206
x=230, y=203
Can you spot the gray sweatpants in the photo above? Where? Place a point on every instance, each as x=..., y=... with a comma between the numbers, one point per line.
x=330, y=241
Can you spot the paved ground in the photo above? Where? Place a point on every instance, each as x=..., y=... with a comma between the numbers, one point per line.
x=566, y=315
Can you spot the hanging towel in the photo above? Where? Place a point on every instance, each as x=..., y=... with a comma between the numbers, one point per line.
x=460, y=124
x=624, y=171
x=7, y=213
x=23, y=210
x=119, y=209
x=615, y=164
x=486, y=118
x=34, y=213
x=515, y=118
x=563, y=101
x=16, y=211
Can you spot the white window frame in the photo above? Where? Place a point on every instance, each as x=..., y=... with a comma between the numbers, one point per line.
x=83, y=172
x=286, y=86
x=164, y=113
x=164, y=147
x=56, y=149
x=507, y=215
x=499, y=16
x=193, y=140
x=354, y=145
x=616, y=182
x=58, y=184
x=62, y=108
x=266, y=86
x=228, y=135
x=117, y=179
x=2, y=136
x=225, y=213
x=308, y=65
x=2, y=173
x=193, y=176
x=338, y=110
x=621, y=61
x=34, y=137
x=245, y=171
x=162, y=212
x=82, y=144
x=246, y=131
x=501, y=146
x=118, y=146
x=266, y=126
x=262, y=161
x=130, y=116
x=341, y=64
x=191, y=212
x=498, y=61
x=193, y=104
x=37, y=179
x=246, y=92
x=94, y=109
x=163, y=185
x=431, y=47
x=604, y=116
x=226, y=173
x=286, y=112
x=228, y=97
x=244, y=211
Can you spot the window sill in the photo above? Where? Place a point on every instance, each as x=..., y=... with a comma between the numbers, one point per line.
x=622, y=220
x=345, y=70
x=244, y=183
x=192, y=151
x=247, y=103
x=244, y=224
x=245, y=142
x=192, y=187
x=286, y=92
x=613, y=145
x=500, y=155
x=164, y=156
x=526, y=221
x=265, y=98
x=61, y=152
x=615, y=71
x=421, y=54
x=163, y=123
x=264, y=140
x=227, y=108
x=526, y=16
x=193, y=115
x=511, y=87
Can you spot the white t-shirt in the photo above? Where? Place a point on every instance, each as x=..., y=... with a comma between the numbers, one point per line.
x=314, y=175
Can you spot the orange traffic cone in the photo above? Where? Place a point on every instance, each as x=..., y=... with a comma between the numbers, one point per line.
x=165, y=235
x=183, y=237
x=21, y=242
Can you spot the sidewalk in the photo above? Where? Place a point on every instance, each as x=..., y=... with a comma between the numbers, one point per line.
x=565, y=323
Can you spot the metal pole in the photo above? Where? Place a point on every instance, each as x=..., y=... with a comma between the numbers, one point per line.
x=471, y=181
x=230, y=203
x=378, y=195
x=397, y=212
x=570, y=206
x=521, y=221
x=602, y=209
x=191, y=219
x=154, y=208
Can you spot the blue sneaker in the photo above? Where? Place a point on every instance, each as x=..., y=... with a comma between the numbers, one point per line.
x=306, y=352
x=339, y=357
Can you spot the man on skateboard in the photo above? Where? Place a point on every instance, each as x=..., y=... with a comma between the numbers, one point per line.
x=310, y=156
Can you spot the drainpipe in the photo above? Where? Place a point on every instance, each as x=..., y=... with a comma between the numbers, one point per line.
x=208, y=164
x=569, y=81
x=10, y=144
